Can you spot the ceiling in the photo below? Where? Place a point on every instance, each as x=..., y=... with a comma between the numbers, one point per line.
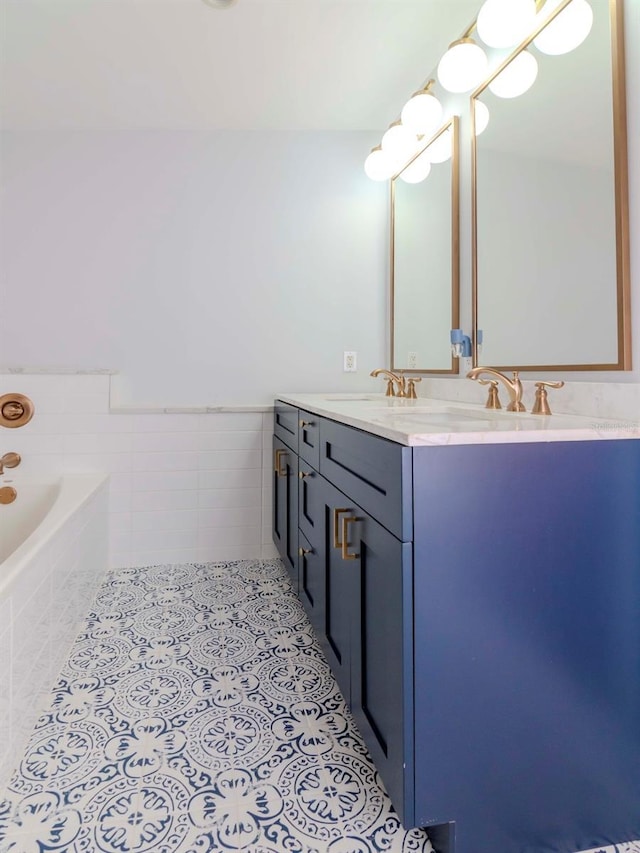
x=258, y=65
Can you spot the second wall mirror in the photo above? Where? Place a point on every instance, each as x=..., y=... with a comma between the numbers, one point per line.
x=550, y=243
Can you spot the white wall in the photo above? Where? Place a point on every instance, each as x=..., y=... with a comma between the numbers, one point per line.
x=206, y=267
x=218, y=267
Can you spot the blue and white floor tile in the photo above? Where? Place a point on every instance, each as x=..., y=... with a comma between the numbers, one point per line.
x=196, y=713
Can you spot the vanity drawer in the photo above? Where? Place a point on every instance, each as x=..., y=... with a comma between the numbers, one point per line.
x=375, y=473
x=309, y=438
x=285, y=424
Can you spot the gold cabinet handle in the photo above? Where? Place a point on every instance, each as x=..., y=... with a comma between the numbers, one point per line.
x=304, y=424
x=302, y=552
x=346, y=521
x=336, y=526
x=303, y=474
x=278, y=466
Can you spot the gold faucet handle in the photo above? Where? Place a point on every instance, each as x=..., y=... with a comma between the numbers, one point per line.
x=541, y=404
x=411, y=387
x=390, y=392
x=493, y=400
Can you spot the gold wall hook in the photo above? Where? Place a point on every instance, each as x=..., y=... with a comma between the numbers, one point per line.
x=16, y=410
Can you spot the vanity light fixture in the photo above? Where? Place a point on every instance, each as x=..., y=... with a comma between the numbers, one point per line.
x=418, y=169
x=441, y=148
x=568, y=29
x=463, y=66
x=505, y=23
x=518, y=76
x=422, y=113
x=480, y=116
x=378, y=165
x=399, y=143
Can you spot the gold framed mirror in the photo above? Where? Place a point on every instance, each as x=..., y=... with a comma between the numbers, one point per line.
x=550, y=212
x=425, y=265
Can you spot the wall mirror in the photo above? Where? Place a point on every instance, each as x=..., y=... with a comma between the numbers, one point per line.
x=550, y=211
x=425, y=257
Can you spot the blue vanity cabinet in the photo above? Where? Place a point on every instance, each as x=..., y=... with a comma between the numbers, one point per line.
x=285, y=506
x=480, y=607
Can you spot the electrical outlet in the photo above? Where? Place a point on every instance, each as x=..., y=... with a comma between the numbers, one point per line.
x=412, y=360
x=465, y=365
x=349, y=364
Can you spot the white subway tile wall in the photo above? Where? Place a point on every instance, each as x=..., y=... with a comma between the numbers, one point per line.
x=183, y=487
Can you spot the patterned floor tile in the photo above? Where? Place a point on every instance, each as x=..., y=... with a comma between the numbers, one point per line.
x=196, y=713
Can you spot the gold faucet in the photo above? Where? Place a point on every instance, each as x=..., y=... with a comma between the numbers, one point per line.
x=513, y=386
x=9, y=460
x=392, y=378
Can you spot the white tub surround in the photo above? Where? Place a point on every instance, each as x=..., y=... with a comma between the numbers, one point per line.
x=436, y=422
x=46, y=585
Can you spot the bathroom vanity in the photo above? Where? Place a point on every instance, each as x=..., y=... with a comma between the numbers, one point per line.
x=474, y=580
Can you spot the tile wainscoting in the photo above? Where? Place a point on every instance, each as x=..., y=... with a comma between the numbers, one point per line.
x=184, y=485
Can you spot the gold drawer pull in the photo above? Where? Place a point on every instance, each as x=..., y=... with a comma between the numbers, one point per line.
x=302, y=552
x=303, y=474
x=278, y=466
x=346, y=521
x=304, y=424
x=336, y=526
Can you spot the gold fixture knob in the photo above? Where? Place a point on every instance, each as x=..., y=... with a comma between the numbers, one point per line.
x=541, y=404
x=302, y=552
x=303, y=474
x=7, y=495
x=304, y=424
x=493, y=400
x=16, y=410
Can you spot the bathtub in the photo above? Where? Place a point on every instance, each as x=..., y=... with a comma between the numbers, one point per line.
x=53, y=552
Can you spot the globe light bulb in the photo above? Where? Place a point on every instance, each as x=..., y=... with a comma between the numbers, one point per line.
x=568, y=30
x=399, y=142
x=517, y=77
x=422, y=113
x=481, y=116
x=463, y=66
x=441, y=148
x=379, y=166
x=505, y=23
x=416, y=171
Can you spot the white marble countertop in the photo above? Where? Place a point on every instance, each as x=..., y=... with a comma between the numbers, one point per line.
x=436, y=422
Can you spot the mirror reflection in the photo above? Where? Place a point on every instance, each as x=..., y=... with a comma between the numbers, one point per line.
x=424, y=257
x=549, y=281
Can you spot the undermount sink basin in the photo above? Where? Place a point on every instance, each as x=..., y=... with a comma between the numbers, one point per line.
x=347, y=398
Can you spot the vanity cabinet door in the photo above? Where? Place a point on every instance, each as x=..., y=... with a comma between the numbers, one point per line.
x=335, y=637
x=382, y=654
x=312, y=573
x=285, y=507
